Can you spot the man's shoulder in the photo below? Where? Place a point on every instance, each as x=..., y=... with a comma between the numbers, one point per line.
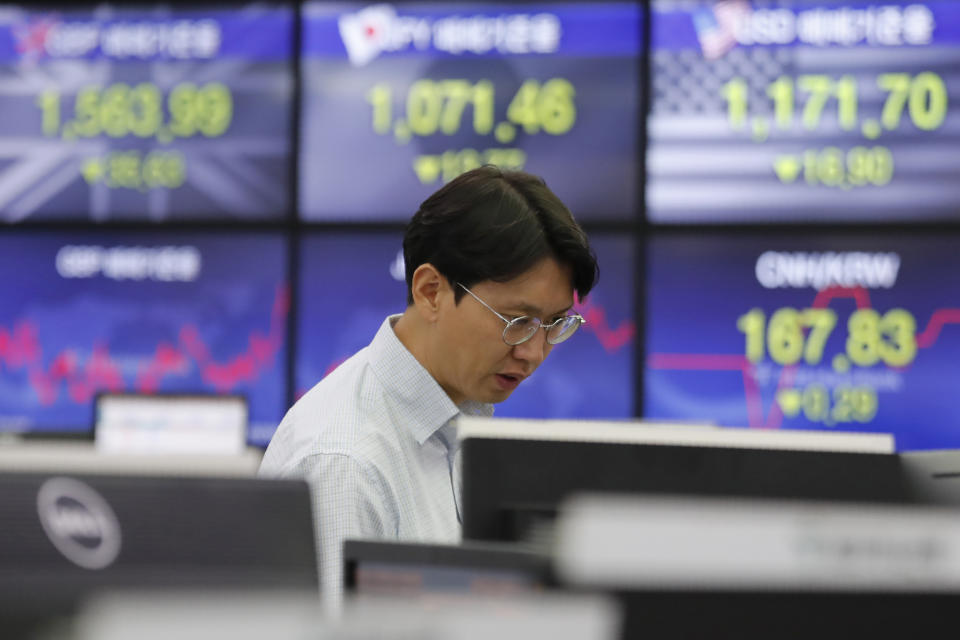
x=333, y=418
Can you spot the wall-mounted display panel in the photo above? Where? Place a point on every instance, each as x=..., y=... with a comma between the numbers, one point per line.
x=806, y=331
x=145, y=112
x=804, y=111
x=400, y=98
x=88, y=311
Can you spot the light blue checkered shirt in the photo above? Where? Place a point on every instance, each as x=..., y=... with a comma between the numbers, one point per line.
x=375, y=440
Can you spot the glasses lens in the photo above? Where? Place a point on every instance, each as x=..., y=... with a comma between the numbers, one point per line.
x=563, y=329
x=520, y=330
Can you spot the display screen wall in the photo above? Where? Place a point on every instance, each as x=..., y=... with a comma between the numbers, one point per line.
x=210, y=198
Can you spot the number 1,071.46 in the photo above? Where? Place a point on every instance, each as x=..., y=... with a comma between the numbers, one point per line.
x=433, y=106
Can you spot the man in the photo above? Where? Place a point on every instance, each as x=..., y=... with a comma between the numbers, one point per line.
x=492, y=262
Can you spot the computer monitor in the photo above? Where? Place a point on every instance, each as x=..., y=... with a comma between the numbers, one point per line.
x=934, y=476
x=66, y=537
x=421, y=569
x=686, y=567
x=137, y=423
x=286, y=616
x=516, y=472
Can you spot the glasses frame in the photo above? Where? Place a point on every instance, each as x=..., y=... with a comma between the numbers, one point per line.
x=540, y=323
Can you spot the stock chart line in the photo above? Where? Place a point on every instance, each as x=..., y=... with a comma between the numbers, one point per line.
x=596, y=322
x=739, y=362
x=20, y=349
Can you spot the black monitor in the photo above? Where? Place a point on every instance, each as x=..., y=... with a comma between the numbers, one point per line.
x=66, y=537
x=423, y=569
x=516, y=472
x=934, y=476
x=689, y=567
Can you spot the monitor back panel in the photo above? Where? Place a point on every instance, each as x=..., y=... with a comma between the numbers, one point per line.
x=65, y=536
x=511, y=485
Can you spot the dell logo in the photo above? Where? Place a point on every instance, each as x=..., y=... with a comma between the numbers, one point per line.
x=79, y=522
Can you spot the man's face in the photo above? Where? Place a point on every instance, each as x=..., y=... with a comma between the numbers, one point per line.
x=473, y=361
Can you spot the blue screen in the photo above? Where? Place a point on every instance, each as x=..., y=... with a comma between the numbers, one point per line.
x=827, y=331
x=351, y=282
x=804, y=111
x=399, y=99
x=140, y=312
x=146, y=112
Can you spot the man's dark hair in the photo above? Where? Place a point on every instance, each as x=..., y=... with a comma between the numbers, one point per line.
x=489, y=224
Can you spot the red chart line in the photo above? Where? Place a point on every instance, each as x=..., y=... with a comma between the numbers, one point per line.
x=860, y=295
x=20, y=348
x=738, y=362
x=697, y=361
x=596, y=322
x=938, y=320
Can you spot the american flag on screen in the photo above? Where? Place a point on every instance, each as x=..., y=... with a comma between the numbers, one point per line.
x=716, y=28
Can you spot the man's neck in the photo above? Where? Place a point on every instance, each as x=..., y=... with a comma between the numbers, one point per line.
x=412, y=334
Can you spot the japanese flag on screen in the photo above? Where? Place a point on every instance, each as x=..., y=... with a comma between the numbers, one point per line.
x=365, y=33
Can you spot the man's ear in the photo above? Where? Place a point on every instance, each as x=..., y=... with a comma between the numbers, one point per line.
x=427, y=286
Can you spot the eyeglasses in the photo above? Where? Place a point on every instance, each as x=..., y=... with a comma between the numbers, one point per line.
x=521, y=329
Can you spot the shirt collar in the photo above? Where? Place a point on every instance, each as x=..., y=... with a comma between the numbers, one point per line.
x=424, y=403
